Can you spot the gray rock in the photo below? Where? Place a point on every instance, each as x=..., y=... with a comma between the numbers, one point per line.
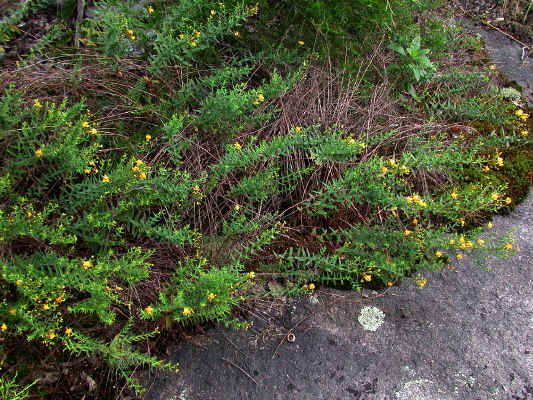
x=509, y=57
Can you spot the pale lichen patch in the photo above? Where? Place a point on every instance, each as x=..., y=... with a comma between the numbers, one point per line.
x=371, y=318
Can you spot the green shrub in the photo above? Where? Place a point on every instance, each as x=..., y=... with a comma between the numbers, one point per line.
x=67, y=222
x=164, y=210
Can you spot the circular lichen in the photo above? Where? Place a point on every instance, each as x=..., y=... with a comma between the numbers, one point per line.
x=371, y=318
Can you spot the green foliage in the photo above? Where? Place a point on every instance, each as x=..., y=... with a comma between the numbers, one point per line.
x=9, y=389
x=195, y=294
x=363, y=16
x=415, y=64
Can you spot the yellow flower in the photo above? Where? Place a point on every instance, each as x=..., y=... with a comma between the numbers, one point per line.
x=19, y=281
x=469, y=244
x=38, y=153
x=4, y=327
x=46, y=307
x=95, y=170
x=384, y=170
x=237, y=146
x=37, y=103
x=148, y=310
x=461, y=239
x=196, y=188
x=492, y=67
x=181, y=35
x=148, y=137
x=518, y=112
x=135, y=170
x=193, y=43
x=91, y=163
x=93, y=131
x=389, y=283
x=362, y=145
x=494, y=196
x=509, y=246
x=51, y=334
x=301, y=42
x=138, y=163
x=298, y=129
x=142, y=176
x=487, y=168
x=438, y=254
x=105, y=179
x=12, y=312
x=211, y=296
x=350, y=140
x=236, y=34
x=251, y=274
x=421, y=281
x=367, y=277
x=524, y=116
x=462, y=221
x=481, y=242
x=187, y=311
x=311, y=286
x=68, y=331
x=85, y=124
x=415, y=221
x=524, y=133
x=452, y=242
x=454, y=195
x=404, y=169
x=407, y=232
x=260, y=97
x=87, y=264
x=150, y=9
x=236, y=207
x=213, y=12
x=499, y=161
x=87, y=171
x=489, y=225
x=459, y=256
x=130, y=32
x=508, y=200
